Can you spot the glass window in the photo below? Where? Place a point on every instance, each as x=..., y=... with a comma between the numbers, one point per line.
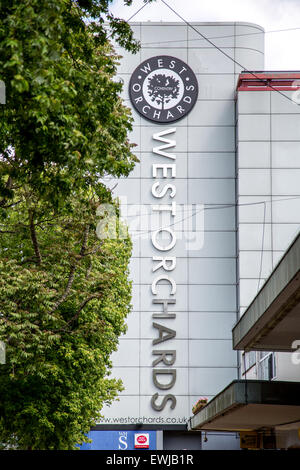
x=266, y=366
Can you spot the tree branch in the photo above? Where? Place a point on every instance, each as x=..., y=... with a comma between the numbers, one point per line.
x=94, y=296
x=11, y=205
x=85, y=239
x=34, y=238
x=8, y=186
x=72, y=271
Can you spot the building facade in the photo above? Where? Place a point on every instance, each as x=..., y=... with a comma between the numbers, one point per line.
x=211, y=206
x=268, y=149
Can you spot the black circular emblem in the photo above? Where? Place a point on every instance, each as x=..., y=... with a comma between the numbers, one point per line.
x=163, y=89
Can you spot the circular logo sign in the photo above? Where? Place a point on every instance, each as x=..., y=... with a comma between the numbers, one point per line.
x=163, y=89
x=141, y=439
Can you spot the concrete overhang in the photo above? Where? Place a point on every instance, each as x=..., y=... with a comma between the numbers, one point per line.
x=251, y=405
x=272, y=321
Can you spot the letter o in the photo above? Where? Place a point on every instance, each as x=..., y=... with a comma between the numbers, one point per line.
x=136, y=87
x=157, y=245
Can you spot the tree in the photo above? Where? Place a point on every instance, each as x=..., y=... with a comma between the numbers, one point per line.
x=63, y=306
x=162, y=89
x=63, y=115
x=64, y=293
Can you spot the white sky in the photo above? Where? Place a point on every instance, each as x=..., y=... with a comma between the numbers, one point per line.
x=282, y=49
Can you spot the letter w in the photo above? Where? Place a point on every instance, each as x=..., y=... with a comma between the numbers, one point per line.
x=168, y=143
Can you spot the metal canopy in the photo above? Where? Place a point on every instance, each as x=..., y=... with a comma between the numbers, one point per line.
x=272, y=321
x=251, y=405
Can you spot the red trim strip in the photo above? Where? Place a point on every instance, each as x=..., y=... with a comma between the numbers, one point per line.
x=269, y=81
x=268, y=88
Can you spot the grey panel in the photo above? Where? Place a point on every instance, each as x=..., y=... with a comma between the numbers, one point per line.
x=212, y=353
x=211, y=139
x=212, y=113
x=282, y=105
x=219, y=218
x=221, y=35
x=285, y=127
x=207, y=191
x=254, y=155
x=206, y=381
x=283, y=235
x=250, y=236
x=212, y=271
x=250, y=262
x=254, y=181
x=248, y=290
x=211, y=325
x=216, y=244
x=254, y=102
x=249, y=37
x=248, y=59
x=180, y=53
x=286, y=154
x=211, y=165
x=254, y=127
x=286, y=182
x=216, y=87
x=251, y=209
x=212, y=298
x=286, y=210
x=152, y=36
x=210, y=61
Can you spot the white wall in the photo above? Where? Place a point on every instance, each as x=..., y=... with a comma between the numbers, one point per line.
x=206, y=277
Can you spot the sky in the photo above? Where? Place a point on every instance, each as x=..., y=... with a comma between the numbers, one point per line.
x=282, y=49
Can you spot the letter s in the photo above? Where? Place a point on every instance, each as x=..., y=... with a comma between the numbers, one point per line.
x=160, y=407
x=161, y=194
x=122, y=440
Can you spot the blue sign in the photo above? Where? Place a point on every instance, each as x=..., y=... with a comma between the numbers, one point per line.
x=117, y=440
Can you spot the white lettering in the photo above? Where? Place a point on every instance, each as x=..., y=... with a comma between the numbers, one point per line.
x=187, y=99
x=163, y=263
x=136, y=87
x=163, y=192
x=146, y=68
x=163, y=278
x=164, y=167
x=168, y=143
x=145, y=112
x=167, y=207
x=160, y=247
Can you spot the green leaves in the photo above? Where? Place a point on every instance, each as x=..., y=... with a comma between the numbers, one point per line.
x=58, y=352
x=64, y=293
x=61, y=98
